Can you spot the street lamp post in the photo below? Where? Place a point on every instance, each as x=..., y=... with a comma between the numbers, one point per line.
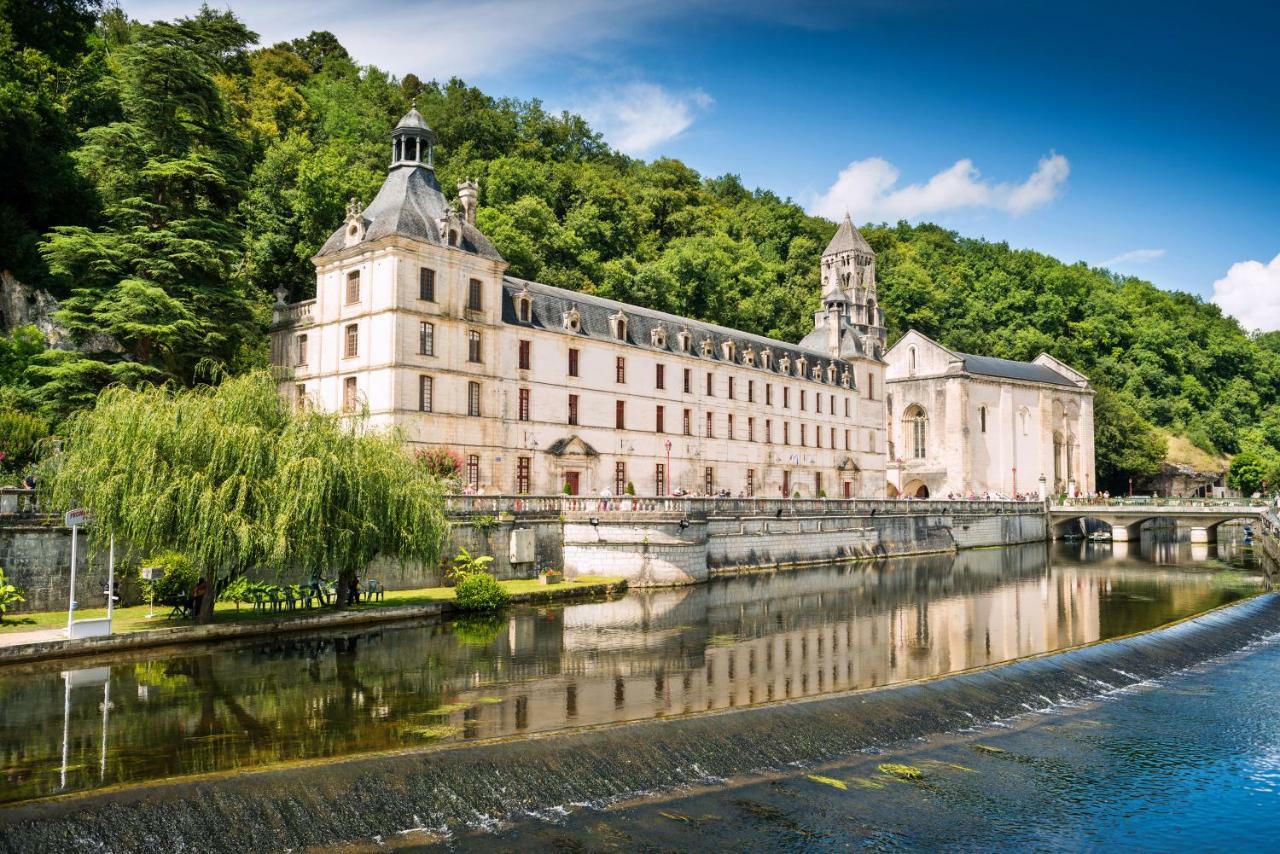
x=1130, y=487
x=666, y=480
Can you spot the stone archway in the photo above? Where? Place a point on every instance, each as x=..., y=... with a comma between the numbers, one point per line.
x=915, y=489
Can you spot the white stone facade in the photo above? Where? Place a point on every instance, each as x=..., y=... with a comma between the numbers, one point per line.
x=970, y=425
x=540, y=389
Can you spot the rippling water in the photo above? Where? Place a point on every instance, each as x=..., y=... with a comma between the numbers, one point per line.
x=740, y=642
x=1188, y=763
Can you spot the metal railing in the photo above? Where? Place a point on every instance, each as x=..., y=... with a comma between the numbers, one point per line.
x=701, y=506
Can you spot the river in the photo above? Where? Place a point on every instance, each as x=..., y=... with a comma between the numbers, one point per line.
x=752, y=641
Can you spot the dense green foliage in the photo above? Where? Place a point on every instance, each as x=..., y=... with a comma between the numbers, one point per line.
x=190, y=175
x=233, y=480
x=10, y=594
x=480, y=591
x=177, y=581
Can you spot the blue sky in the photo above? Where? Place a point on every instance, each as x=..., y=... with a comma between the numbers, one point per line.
x=1143, y=135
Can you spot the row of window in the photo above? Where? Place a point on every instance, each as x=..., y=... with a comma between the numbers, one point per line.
x=524, y=411
x=733, y=390
x=426, y=344
x=729, y=350
x=426, y=289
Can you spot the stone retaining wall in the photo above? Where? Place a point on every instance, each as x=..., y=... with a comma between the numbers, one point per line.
x=649, y=547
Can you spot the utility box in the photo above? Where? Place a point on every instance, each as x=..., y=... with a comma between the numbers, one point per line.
x=523, y=546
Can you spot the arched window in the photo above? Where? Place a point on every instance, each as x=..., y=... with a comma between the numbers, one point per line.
x=1058, y=466
x=918, y=426
x=982, y=418
x=911, y=361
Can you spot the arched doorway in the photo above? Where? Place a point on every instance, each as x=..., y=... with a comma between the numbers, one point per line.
x=916, y=489
x=890, y=491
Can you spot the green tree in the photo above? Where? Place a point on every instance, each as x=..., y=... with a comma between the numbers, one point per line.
x=1248, y=472
x=231, y=478
x=44, y=71
x=155, y=290
x=1125, y=444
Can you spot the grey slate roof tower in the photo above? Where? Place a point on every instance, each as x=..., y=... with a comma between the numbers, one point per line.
x=410, y=202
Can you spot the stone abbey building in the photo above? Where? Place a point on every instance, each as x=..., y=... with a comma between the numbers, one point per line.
x=542, y=390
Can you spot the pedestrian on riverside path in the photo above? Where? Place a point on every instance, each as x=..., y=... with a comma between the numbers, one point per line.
x=197, y=595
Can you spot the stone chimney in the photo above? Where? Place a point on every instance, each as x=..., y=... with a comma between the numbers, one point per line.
x=469, y=197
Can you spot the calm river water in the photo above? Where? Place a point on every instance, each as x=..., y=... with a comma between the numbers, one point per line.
x=751, y=640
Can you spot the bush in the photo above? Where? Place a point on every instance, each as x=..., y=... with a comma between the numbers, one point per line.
x=631, y=488
x=11, y=594
x=179, y=579
x=480, y=591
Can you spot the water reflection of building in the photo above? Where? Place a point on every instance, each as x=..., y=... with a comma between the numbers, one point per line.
x=651, y=654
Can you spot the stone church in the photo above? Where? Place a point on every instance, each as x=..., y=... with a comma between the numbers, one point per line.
x=542, y=390
x=966, y=425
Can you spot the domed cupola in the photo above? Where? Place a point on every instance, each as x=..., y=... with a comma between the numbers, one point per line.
x=412, y=141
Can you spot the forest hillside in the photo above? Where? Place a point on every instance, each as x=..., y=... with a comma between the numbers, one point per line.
x=165, y=179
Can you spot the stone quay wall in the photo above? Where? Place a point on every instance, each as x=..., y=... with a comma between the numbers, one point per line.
x=651, y=542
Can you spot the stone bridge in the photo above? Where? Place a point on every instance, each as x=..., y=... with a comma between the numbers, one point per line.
x=1126, y=516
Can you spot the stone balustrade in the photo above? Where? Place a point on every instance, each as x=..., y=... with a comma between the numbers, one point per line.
x=710, y=507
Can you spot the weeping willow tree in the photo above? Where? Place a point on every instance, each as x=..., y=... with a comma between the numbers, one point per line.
x=229, y=476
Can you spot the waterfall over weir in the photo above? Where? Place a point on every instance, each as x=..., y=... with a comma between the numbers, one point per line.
x=469, y=786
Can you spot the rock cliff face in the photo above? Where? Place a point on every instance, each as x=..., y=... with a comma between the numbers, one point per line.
x=21, y=305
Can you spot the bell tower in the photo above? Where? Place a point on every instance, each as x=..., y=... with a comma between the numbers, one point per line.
x=849, y=267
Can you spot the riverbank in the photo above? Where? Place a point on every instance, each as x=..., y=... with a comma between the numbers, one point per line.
x=27, y=637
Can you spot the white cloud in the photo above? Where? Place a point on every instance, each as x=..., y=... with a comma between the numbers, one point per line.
x=866, y=189
x=640, y=116
x=441, y=38
x=1250, y=292
x=1133, y=256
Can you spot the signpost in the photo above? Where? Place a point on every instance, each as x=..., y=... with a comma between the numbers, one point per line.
x=73, y=520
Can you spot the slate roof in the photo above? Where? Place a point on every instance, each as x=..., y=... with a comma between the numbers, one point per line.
x=410, y=203
x=989, y=366
x=851, y=345
x=412, y=119
x=847, y=239
x=550, y=304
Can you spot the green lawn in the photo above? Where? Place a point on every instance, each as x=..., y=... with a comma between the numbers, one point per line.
x=134, y=618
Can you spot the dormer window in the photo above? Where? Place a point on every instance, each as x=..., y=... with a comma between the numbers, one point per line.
x=572, y=320
x=618, y=326
x=784, y=364
x=816, y=373
x=524, y=306
x=453, y=237
x=831, y=373
x=658, y=336
x=845, y=378
x=766, y=358
x=684, y=339
x=729, y=350
x=707, y=348
x=801, y=365
x=749, y=356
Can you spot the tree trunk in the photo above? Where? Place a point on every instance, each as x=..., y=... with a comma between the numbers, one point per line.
x=346, y=581
x=204, y=614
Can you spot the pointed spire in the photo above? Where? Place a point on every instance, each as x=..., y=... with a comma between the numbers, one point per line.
x=847, y=239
